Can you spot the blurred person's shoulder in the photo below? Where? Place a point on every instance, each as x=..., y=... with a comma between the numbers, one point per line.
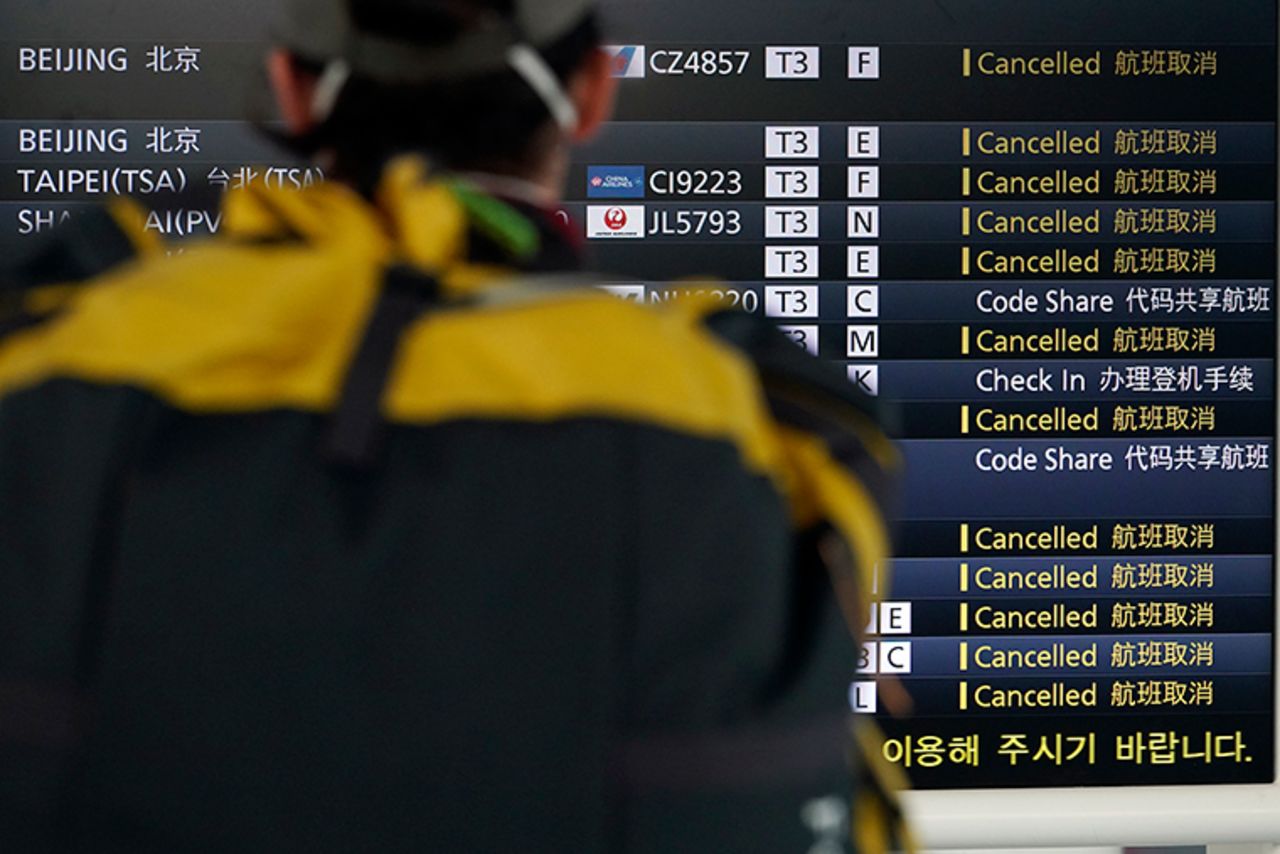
x=105, y=301
x=272, y=312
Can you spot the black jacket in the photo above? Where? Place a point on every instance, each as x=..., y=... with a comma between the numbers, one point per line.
x=343, y=533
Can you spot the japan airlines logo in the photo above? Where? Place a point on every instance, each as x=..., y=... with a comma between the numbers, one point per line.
x=628, y=59
x=616, y=221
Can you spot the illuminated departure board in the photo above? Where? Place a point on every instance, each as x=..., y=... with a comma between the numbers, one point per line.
x=1045, y=230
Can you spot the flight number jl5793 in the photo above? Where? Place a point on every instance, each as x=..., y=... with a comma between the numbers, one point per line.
x=712, y=223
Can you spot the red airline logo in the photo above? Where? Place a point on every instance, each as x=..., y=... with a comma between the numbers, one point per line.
x=608, y=222
x=615, y=219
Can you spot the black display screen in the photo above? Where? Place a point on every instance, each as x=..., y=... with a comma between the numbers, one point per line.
x=1044, y=229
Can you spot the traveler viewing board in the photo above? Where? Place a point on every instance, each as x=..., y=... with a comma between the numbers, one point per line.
x=1046, y=230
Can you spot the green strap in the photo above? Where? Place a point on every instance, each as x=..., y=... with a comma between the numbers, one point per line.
x=499, y=221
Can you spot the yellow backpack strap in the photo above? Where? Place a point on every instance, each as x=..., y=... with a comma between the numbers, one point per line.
x=96, y=241
x=843, y=468
x=843, y=472
x=879, y=825
x=407, y=293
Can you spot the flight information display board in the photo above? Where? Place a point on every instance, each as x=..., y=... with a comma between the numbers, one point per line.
x=1044, y=229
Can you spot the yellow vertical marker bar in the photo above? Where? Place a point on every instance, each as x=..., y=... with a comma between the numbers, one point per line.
x=965, y=177
x=966, y=142
x=964, y=655
x=964, y=695
x=964, y=578
x=964, y=261
x=964, y=419
x=964, y=616
x=964, y=537
x=964, y=222
x=964, y=341
x=968, y=62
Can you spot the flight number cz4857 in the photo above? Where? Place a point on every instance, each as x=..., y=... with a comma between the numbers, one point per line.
x=707, y=63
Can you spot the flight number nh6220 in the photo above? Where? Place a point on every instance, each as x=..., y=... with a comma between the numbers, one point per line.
x=695, y=182
x=747, y=300
x=717, y=63
x=679, y=223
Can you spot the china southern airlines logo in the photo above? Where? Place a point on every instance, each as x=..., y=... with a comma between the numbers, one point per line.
x=616, y=221
x=628, y=59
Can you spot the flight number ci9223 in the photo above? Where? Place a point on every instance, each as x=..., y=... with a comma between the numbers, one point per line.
x=717, y=63
x=695, y=182
x=680, y=223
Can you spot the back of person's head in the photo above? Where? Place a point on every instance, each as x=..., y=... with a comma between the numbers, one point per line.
x=476, y=84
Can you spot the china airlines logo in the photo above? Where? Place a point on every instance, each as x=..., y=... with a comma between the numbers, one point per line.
x=615, y=182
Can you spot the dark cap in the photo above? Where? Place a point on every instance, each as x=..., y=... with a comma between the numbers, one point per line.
x=327, y=30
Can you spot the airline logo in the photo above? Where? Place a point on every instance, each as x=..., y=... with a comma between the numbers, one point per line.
x=615, y=221
x=630, y=293
x=628, y=59
x=615, y=182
